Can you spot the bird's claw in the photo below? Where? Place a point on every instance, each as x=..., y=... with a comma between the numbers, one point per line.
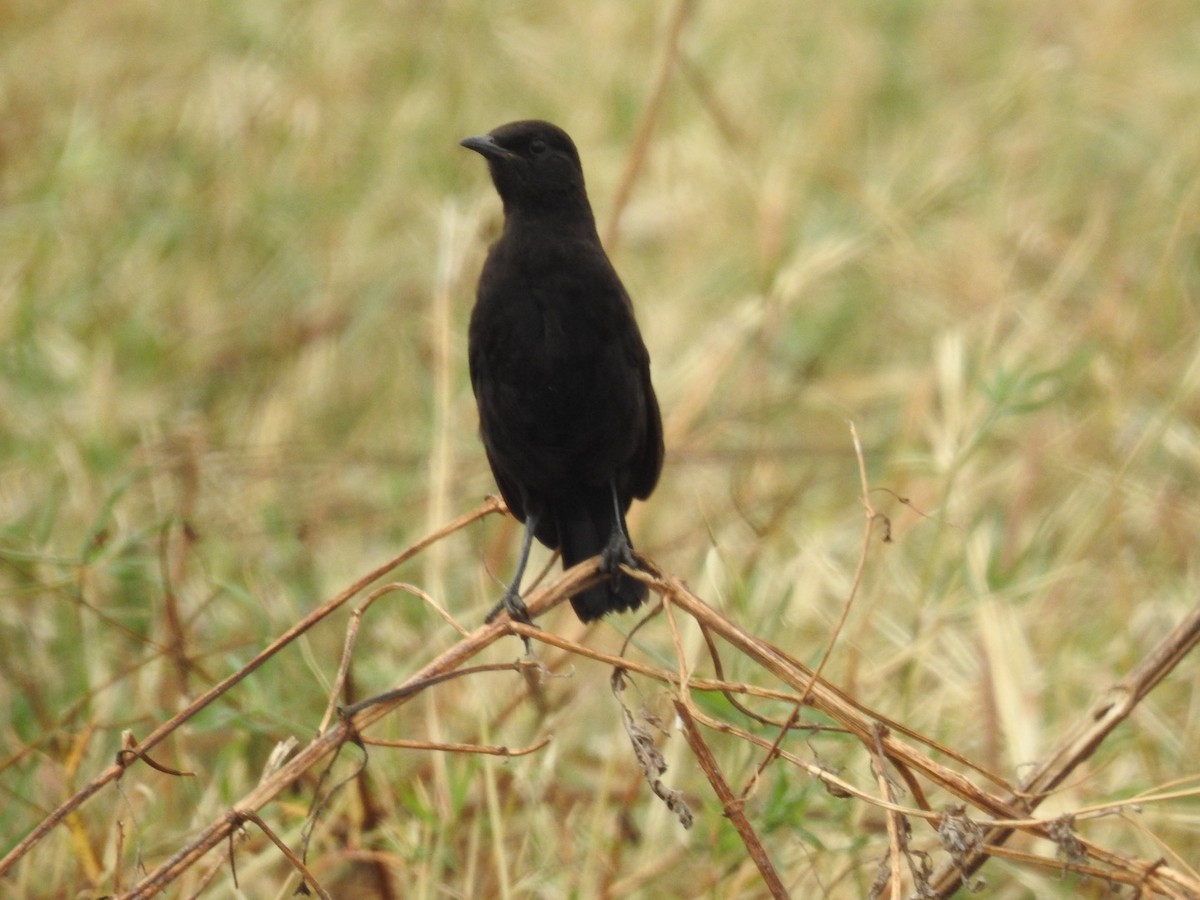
x=512, y=604
x=616, y=552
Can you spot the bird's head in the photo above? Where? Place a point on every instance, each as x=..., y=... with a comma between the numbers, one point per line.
x=534, y=166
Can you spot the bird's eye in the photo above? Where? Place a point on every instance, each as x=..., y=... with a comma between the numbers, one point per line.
x=538, y=147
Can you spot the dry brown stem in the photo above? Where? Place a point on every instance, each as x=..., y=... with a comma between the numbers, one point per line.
x=732, y=807
x=986, y=809
x=159, y=734
x=1109, y=710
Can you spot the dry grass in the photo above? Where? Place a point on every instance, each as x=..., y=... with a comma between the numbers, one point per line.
x=236, y=255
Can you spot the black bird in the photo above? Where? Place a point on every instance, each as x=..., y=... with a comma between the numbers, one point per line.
x=567, y=413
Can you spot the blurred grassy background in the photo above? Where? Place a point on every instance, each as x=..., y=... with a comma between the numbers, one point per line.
x=238, y=245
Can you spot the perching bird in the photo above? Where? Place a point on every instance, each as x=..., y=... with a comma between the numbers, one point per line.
x=567, y=413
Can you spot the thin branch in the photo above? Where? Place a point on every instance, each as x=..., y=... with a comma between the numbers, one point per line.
x=350, y=725
x=117, y=769
x=868, y=529
x=732, y=807
x=892, y=746
x=310, y=880
x=442, y=746
x=1108, y=711
x=894, y=821
x=861, y=722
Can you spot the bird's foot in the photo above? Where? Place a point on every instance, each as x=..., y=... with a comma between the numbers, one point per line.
x=512, y=604
x=618, y=550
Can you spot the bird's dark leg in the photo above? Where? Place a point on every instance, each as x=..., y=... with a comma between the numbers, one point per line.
x=511, y=602
x=619, y=548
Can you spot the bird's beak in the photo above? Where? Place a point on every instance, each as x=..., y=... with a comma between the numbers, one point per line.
x=486, y=146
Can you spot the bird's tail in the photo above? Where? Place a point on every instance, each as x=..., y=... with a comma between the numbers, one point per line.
x=584, y=532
